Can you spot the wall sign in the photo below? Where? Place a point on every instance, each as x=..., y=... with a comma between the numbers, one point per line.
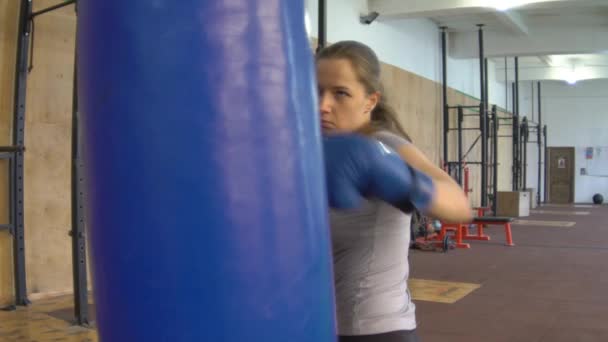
x=589, y=153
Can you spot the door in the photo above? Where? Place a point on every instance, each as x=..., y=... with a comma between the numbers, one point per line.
x=561, y=175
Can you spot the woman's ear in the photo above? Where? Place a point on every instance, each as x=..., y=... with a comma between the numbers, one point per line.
x=372, y=101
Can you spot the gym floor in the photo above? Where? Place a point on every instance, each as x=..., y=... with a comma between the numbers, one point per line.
x=550, y=287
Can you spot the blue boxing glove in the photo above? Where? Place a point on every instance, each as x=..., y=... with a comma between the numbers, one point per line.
x=357, y=167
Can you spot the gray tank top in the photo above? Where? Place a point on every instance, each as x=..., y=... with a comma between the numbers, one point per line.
x=370, y=252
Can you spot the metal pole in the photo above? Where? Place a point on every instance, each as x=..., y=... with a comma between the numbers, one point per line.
x=18, y=140
x=524, y=147
x=513, y=137
x=516, y=144
x=446, y=110
x=519, y=154
x=495, y=160
x=482, y=123
x=486, y=168
x=322, y=29
x=539, y=143
x=79, y=260
x=546, y=162
x=460, y=119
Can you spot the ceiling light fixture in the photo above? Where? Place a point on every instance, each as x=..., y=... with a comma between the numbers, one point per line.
x=571, y=74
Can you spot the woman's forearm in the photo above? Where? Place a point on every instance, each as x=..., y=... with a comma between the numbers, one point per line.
x=449, y=203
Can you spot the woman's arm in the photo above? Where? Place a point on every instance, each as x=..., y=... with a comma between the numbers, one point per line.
x=449, y=203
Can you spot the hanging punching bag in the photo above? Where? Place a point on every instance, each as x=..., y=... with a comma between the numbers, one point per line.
x=206, y=204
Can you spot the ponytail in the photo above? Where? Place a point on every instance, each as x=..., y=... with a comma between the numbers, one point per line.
x=385, y=117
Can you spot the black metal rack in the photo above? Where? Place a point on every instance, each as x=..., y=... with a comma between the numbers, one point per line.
x=516, y=130
x=526, y=128
x=78, y=233
x=15, y=155
x=540, y=144
x=457, y=166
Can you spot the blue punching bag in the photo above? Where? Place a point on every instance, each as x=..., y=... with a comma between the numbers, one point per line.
x=207, y=212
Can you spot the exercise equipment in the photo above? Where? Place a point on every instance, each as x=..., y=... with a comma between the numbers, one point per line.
x=207, y=210
x=425, y=234
x=461, y=233
x=598, y=199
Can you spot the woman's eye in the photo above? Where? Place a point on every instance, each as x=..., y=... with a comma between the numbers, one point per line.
x=342, y=93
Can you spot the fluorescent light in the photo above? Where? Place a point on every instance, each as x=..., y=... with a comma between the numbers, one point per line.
x=505, y=5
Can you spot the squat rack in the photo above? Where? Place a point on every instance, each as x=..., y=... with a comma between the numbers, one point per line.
x=521, y=138
x=484, y=121
x=16, y=180
x=541, y=131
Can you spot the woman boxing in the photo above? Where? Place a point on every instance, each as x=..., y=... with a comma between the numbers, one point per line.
x=375, y=175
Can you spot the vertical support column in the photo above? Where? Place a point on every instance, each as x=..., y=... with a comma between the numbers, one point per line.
x=516, y=143
x=486, y=168
x=513, y=140
x=79, y=255
x=322, y=25
x=483, y=122
x=495, y=160
x=539, y=143
x=525, y=131
x=444, y=92
x=460, y=120
x=546, y=162
x=18, y=160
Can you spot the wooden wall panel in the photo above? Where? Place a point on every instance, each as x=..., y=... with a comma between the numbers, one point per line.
x=9, y=10
x=416, y=101
x=47, y=160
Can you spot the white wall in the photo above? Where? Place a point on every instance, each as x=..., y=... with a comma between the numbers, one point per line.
x=577, y=115
x=496, y=90
x=413, y=45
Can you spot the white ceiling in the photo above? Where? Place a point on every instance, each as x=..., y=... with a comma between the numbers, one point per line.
x=554, y=39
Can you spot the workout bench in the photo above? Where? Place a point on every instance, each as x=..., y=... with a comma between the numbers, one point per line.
x=461, y=230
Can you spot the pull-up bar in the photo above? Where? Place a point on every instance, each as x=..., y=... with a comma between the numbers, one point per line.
x=464, y=107
x=52, y=8
x=17, y=148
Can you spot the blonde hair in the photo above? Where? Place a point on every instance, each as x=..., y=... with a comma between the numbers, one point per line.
x=367, y=67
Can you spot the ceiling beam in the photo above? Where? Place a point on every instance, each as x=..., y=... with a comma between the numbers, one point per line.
x=540, y=41
x=547, y=73
x=403, y=9
x=514, y=21
x=546, y=60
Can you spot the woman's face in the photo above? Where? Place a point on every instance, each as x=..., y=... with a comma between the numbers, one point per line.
x=344, y=104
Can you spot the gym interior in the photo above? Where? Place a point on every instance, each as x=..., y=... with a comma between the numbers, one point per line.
x=508, y=97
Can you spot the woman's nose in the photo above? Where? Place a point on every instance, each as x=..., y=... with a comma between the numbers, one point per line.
x=325, y=103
